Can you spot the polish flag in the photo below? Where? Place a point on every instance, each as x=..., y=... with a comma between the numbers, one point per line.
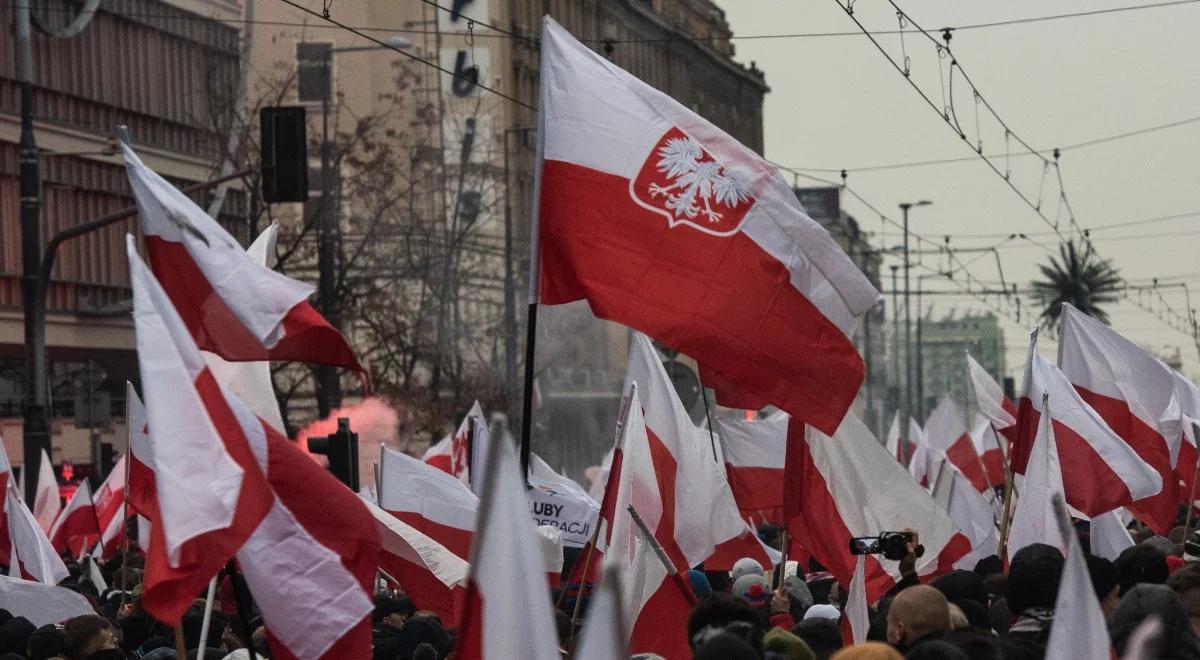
x=1100, y=470
x=110, y=497
x=947, y=434
x=1034, y=519
x=848, y=485
x=431, y=575
x=1188, y=397
x=32, y=556
x=43, y=604
x=47, y=503
x=988, y=445
x=746, y=544
x=1079, y=630
x=656, y=606
x=919, y=466
x=142, y=487
x=605, y=635
x=504, y=614
x=895, y=444
x=311, y=562
x=78, y=519
x=991, y=400
x=1131, y=390
x=971, y=513
x=111, y=537
x=1108, y=535
x=210, y=492
x=230, y=303
x=429, y=500
x=455, y=454
x=754, y=456
x=703, y=245
x=855, y=619
x=251, y=381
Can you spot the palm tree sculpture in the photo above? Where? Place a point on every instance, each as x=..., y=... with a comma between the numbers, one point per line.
x=1081, y=278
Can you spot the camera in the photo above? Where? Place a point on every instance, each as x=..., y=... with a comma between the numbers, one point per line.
x=892, y=545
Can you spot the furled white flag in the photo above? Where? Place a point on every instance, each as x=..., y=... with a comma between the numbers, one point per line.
x=1078, y=631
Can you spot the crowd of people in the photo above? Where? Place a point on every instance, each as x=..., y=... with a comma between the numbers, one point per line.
x=986, y=613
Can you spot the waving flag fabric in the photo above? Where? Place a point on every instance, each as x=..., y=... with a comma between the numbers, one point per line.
x=433, y=502
x=33, y=558
x=231, y=304
x=754, y=459
x=666, y=224
x=989, y=396
x=431, y=575
x=78, y=519
x=1079, y=631
x=47, y=503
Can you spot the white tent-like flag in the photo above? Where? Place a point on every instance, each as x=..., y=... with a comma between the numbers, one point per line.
x=42, y=604
x=971, y=513
x=1108, y=535
x=1078, y=631
x=46, y=504
x=855, y=619
x=605, y=635
x=33, y=558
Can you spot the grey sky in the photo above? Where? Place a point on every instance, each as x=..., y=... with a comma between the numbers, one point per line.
x=837, y=102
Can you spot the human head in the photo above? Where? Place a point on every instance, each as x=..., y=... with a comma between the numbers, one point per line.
x=723, y=613
x=1105, y=582
x=393, y=610
x=1144, y=600
x=753, y=589
x=84, y=635
x=960, y=585
x=1033, y=577
x=700, y=583
x=746, y=566
x=45, y=642
x=823, y=636
x=916, y=612
x=936, y=650
x=726, y=646
x=14, y=633
x=1142, y=564
x=976, y=644
x=1191, y=547
x=868, y=651
x=1186, y=585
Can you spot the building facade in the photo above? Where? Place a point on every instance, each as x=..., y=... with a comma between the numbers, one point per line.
x=941, y=359
x=137, y=63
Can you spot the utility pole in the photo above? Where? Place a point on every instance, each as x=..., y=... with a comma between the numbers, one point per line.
x=908, y=353
x=896, y=346
x=37, y=416
x=329, y=395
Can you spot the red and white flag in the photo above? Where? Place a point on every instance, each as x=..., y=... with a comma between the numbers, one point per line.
x=605, y=635
x=848, y=485
x=110, y=496
x=947, y=434
x=989, y=445
x=1188, y=397
x=431, y=575
x=1079, y=631
x=704, y=245
x=430, y=500
x=754, y=450
x=989, y=396
x=311, y=562
x=1034, y=519
x=111, y=536
x=46, y=503
x=894, y=443
x=6, y=482
x=1131, y=390
x=210, y=491
x=656, y=604
x=1100, y=471
x=251, y=381
x=455, y=454
x=32, y=556
x=505, y=615
x=920, y=466
x=78, y=519
x=746, y=544
x=1108, y=535
x=231, y=304
x=971, y=513
x=855, y=618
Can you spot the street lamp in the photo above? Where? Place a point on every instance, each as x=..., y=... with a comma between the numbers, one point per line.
x=908, y=354
x=328, y=389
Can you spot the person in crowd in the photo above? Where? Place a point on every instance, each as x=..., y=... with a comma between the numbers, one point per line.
x=1143, y=563
x=1105, y=582
x=1033, y=578
x=868, y=651
x=388, y=618
x=823, y=636
x=85, y=635
x=918, y=614
x=1186, y=585
x=1177, y=641
x=722, y=614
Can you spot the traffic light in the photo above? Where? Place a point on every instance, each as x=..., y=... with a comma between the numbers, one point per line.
x=284, y=148
x=341, y=448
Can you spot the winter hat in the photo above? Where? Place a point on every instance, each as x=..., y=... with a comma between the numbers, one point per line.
x=822, y=611
x=753, y=589
x=726, y=647
x=700, y=584
x=747, y=566
x=797, y=588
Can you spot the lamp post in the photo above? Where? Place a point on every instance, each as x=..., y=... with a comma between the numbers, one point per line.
x=329, y=390
x=908, y=354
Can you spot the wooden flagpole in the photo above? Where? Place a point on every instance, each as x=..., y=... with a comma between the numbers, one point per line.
x=207, y=620
x=662, y=556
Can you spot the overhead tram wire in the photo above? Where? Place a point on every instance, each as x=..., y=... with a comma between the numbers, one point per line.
x=966, y=159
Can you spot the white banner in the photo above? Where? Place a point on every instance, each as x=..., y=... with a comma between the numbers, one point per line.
x=570, y=513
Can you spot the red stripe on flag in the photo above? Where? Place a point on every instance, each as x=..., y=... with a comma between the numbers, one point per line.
x=724, y=301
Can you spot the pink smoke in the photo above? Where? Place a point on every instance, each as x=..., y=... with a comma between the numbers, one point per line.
x=372, y=419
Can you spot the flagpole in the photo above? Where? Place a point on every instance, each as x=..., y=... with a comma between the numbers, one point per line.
x=207, y=620
x=535, y=264
x=241, y=598
x=708, y=418
x=673, y=572
x=782, y=567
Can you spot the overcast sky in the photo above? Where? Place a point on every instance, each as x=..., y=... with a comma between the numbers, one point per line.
x=836, y=102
